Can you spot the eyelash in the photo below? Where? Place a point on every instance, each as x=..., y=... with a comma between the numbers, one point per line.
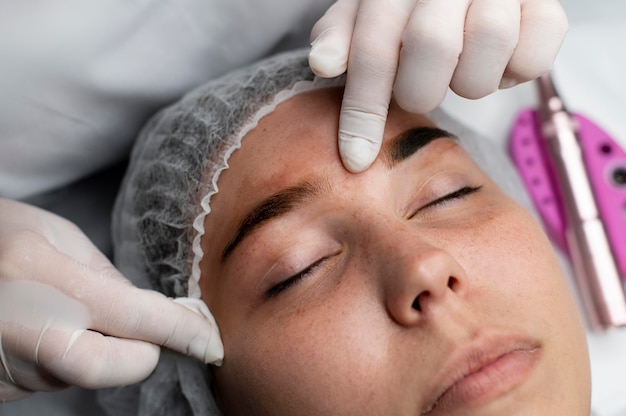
x=458, y=194
x=285, y=284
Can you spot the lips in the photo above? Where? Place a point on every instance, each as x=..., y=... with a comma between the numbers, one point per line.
x=481, y=370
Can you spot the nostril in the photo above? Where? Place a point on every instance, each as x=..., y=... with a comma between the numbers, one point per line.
x=416, y=304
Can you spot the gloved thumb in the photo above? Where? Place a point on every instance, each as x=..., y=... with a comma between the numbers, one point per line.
x=368, y=85
x=361, y=32
x=360, y=135
x=362, y=120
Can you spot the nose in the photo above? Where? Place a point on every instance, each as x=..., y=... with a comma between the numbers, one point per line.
x=419, y=277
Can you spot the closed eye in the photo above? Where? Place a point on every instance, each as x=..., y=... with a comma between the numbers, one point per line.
x=287, y=283
x=458, y=194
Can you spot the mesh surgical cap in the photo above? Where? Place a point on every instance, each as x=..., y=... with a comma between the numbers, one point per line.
x=158, y=221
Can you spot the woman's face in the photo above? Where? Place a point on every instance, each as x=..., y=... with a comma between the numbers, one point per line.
x=416, y=287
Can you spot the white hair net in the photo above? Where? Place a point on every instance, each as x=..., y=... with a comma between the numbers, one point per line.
x=174, y=169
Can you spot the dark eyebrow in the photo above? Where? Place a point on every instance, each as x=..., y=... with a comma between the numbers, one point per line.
x=411, y=141
x=270, y=208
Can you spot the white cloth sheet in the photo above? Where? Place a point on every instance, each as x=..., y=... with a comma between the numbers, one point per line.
x=79, y=78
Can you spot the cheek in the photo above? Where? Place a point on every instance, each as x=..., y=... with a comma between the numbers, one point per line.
x=527, y=278
x=330, y=358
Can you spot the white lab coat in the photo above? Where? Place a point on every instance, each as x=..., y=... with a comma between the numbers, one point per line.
x=79, y=78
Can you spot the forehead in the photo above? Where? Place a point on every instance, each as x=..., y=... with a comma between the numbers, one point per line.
x=287, y=141
x=299, y=140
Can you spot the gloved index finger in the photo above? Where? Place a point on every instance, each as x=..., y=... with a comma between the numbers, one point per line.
x=122, y=310
x=372, y=67
x=186, y=326
x=119, y=309
x=183, y=324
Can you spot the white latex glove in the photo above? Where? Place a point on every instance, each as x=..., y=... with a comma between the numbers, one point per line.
x=417, y=48
x=67, y=316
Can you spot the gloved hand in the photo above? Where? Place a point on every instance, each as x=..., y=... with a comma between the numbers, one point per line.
x=418, y=48
x=67, y=316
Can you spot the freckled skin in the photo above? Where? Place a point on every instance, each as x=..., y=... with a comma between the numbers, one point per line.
x=346, y=340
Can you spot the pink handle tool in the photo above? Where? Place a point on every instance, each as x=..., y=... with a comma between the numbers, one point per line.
x=576, y=176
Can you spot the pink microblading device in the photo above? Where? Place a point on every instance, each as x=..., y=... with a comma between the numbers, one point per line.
x=576, y=176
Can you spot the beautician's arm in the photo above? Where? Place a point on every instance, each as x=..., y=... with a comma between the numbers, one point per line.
x=415, y=49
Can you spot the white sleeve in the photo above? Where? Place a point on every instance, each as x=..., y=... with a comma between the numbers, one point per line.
x=78, y=78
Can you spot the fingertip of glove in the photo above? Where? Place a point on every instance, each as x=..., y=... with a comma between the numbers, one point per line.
x=326, y=59
x=208, y=349
x=507, y=82
x=215, y=350
x=357, y=154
